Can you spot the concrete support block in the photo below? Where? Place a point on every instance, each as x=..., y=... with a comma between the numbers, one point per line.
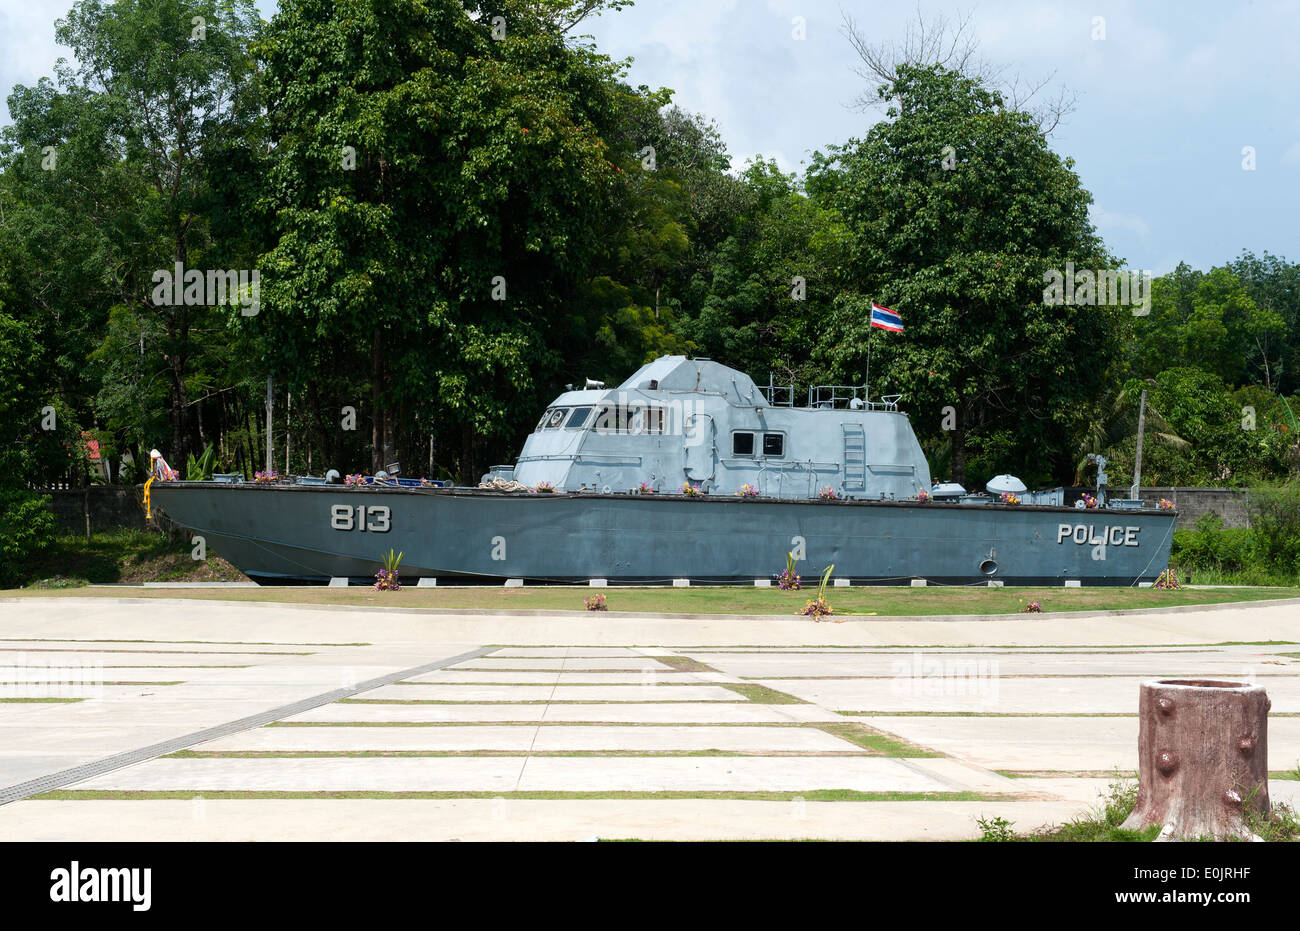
x=1073, y=583
x=681, y=583
x=339, y=581
x=918, y=583
x=514, y=583
x=427, y=582
x=598, y=583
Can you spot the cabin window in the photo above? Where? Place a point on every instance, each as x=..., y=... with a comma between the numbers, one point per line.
x=773, y=444
x=545, y=414
x=578, y=419
x=556, y=418
x=742, y=444
x=635, y=418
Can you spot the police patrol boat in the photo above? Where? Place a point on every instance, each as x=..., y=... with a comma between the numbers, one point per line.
x=687, y=470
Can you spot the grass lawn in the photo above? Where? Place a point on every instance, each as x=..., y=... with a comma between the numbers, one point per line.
x=124, y=556
x=863, y=601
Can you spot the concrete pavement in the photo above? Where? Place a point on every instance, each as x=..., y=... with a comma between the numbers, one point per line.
x=914, y=728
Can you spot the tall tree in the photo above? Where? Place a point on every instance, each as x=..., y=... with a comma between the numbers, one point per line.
x=124, y=150
x=434, y=172
x=958, y=209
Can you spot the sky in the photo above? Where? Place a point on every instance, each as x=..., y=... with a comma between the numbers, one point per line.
x=1169, y=95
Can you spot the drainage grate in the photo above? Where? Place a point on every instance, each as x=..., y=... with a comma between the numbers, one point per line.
x=67, y=777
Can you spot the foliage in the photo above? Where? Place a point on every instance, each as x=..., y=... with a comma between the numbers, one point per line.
x=961, y=253
x=1275, y=524
x=789, y=581
x=1103, y=822
x=450, y=226
x=428, y=185
x=26, y=531
x=386, y=579
x=1212, y=554
x=819, y=607
x=995, y=830
x=199, y=470
x=595, y=603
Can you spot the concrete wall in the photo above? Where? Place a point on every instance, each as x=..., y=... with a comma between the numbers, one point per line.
x=111, y=506
x=1228, y=503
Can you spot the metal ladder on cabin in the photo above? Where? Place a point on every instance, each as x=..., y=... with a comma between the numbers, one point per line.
x=855, y=457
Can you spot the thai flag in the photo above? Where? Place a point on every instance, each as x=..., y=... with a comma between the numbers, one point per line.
x=886, y=319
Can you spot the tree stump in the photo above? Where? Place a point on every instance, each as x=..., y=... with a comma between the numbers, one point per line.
x=1203, y=758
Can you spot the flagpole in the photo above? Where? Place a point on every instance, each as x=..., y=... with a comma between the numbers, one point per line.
x=870, y=327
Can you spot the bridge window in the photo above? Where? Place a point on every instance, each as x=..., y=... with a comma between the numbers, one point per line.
x=578, y=419
x=773, y=444
x=742, y=444
x=556, y=418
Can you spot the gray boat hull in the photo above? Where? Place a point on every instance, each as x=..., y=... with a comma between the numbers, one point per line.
x=311, y=533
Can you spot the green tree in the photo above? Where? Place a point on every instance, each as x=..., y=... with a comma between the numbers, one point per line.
x=771, y=283
x=1210, y=321
x=121, y=156
x=957, y=210
x=431, y=190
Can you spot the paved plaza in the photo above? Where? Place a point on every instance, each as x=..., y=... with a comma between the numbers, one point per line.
x=203, y=720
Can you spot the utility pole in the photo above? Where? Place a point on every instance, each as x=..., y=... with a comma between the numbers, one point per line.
x=270, y=388
x=1135, y=491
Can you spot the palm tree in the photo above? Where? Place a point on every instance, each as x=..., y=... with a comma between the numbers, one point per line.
x=1115, y=421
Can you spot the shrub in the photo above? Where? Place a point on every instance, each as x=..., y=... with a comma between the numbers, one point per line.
x=26, y=529
x=1210, y=546
x=1275, y=523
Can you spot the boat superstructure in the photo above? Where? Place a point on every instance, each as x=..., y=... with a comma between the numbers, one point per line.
x=679, y=420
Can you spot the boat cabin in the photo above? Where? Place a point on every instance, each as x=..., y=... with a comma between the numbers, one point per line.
x=679, y=420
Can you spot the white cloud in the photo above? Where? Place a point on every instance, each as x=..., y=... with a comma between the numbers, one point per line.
x=27, y=47
x=1106, y=220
